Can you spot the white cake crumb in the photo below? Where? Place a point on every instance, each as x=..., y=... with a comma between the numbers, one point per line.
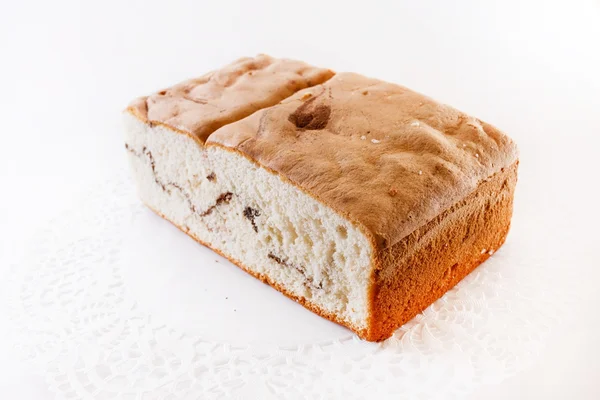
x=375, y=141
x=477, y=155
x=420, y=172
x=363, y=137
x=483, y=251
x=464, y=145
x=415, y=123
x=491, y=252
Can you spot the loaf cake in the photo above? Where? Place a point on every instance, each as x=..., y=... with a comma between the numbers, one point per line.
x=360, y=199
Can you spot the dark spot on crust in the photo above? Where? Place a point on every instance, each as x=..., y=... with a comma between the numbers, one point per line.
x=251, y=213
x=308, y=280
x=310, y=117
x=313, y=120
x=211, y=177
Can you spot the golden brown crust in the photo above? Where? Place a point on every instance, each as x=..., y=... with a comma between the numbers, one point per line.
x=362, y=332
x=198, y=107
x=427, y=263
x=379, y=154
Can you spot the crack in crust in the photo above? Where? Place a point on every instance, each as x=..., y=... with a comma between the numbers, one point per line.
x=224, y=198
x=308, y=281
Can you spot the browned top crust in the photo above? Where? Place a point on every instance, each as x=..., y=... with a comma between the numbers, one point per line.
x=386, y=157
x=200, y=106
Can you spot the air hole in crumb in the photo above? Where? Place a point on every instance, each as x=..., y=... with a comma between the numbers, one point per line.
x=268, y=239
x=330, y=253
x=365, y=92
x=293, y=234
x=276, y=234
x=342, y=259
x=162, y=92
x=342, y=231
x=211, y=177
x=308, y=241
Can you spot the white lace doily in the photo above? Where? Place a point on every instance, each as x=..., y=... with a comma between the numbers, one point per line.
x=114, y=303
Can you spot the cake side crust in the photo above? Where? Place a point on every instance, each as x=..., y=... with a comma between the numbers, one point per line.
x=417, y=271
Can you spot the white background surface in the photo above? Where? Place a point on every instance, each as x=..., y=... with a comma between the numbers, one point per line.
x=68, y=69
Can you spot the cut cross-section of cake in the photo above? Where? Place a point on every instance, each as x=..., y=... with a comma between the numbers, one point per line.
x=361, y=199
